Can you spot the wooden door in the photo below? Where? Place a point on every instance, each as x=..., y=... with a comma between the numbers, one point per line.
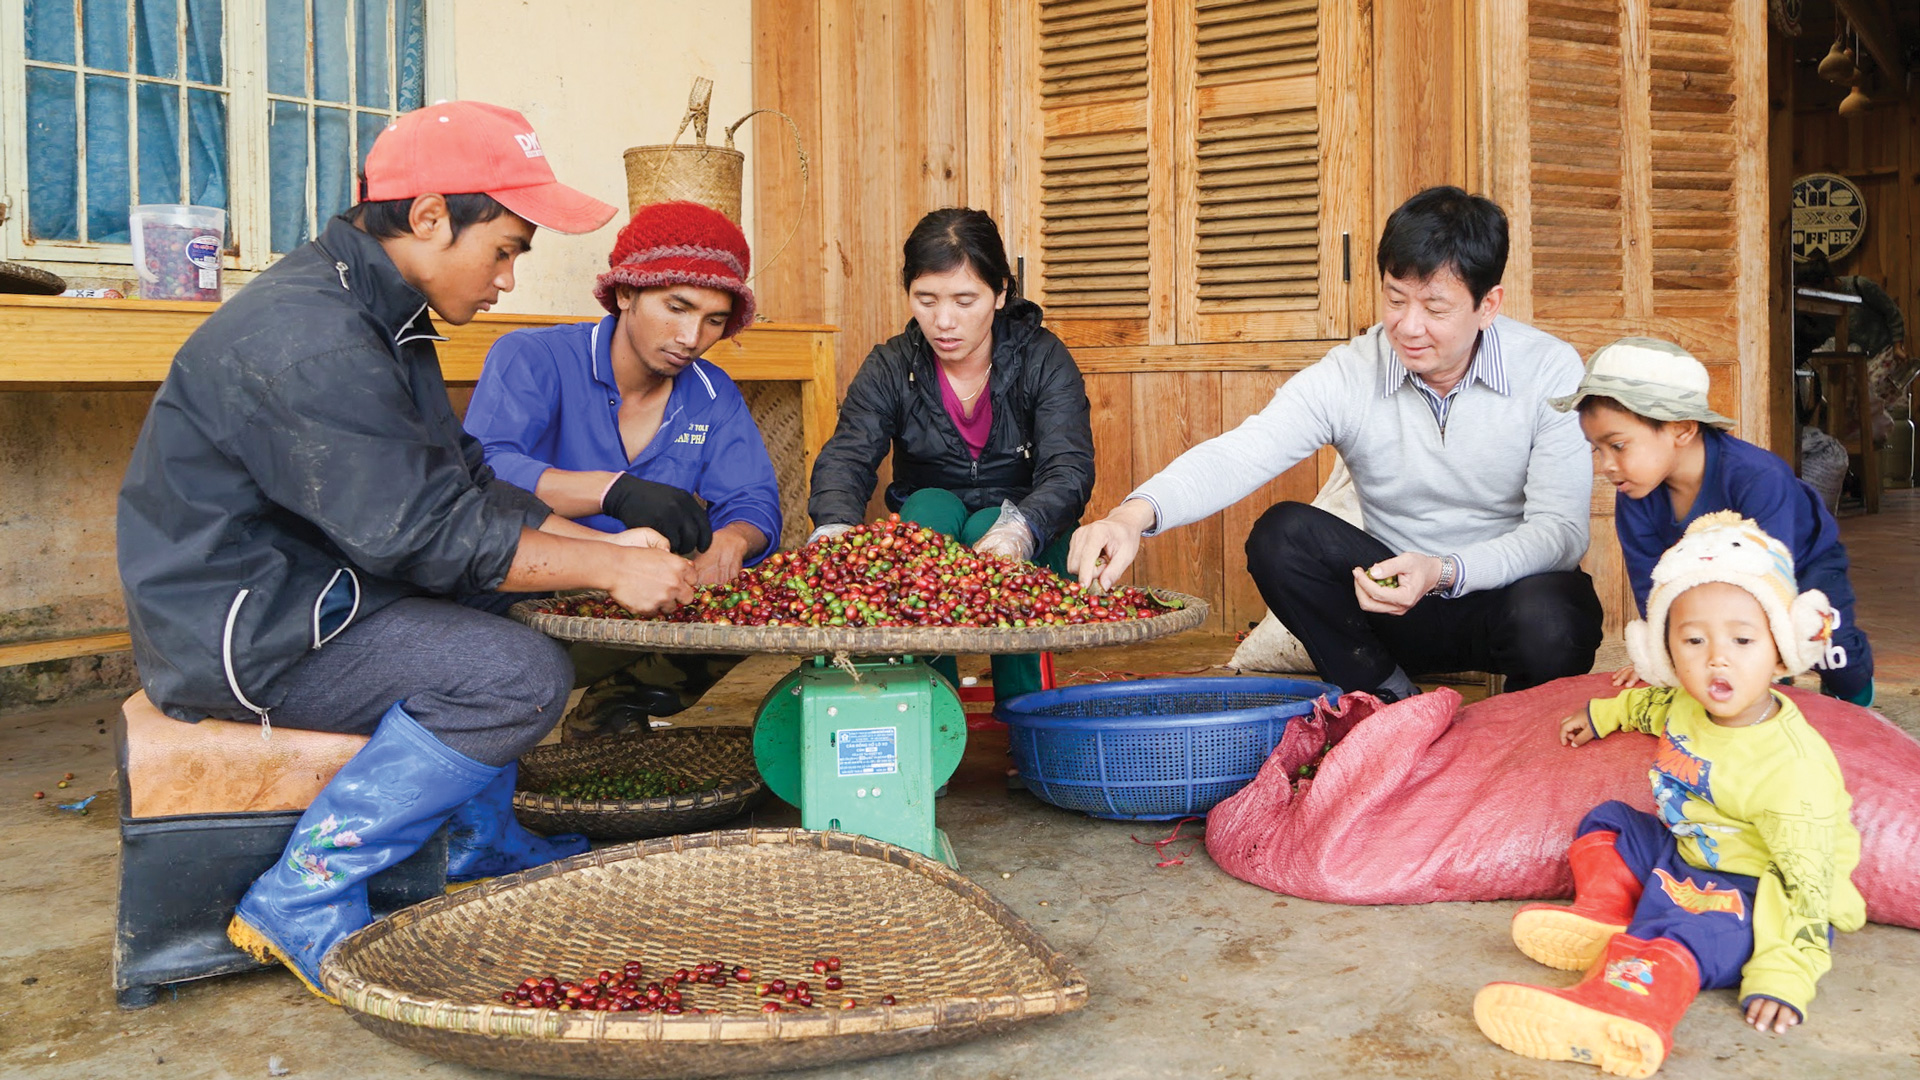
x=1197, y=169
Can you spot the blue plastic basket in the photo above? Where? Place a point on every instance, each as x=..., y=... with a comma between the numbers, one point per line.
x=1153, y=749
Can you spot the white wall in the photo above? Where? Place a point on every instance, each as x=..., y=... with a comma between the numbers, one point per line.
x=595, y=77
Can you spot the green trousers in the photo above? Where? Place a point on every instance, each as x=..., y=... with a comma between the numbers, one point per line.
x=943, y=512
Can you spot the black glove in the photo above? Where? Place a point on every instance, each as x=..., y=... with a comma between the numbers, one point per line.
x=667, y=510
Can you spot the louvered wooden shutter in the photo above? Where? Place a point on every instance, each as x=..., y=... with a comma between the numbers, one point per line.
x=1694, y=151
x=1199, y=161
x=1260, y=247
x=1633, y=152
x=1631, y=193
x=1575, y=119
x=1093, y=169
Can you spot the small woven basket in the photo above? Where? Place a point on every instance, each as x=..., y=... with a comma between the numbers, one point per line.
x=693, y=753
x=959, y=962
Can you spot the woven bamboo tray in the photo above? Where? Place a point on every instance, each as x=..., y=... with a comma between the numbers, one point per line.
x=958, y=961
x=697, y=753
x=860, y=640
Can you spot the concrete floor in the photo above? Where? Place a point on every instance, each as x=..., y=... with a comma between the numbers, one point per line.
x=1193, y=973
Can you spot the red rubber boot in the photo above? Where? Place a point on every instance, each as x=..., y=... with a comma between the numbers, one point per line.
x=1605, y=893
x=1619, y=1018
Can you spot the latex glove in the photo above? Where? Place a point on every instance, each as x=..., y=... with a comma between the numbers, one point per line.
x=1010, y=535
x=667, y=510
x=828, y=532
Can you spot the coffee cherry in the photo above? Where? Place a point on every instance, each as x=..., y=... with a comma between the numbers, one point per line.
x=887, y=1000
x=834, y=983
x=892, y=573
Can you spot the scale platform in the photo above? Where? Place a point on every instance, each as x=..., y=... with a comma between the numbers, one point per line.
x=864, y=731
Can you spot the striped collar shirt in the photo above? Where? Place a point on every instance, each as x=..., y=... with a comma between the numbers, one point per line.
x=1487, y=367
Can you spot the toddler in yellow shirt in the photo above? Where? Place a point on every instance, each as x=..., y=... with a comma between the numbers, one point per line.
x=1742, y=877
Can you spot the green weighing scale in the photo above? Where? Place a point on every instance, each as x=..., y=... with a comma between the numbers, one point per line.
x=863, y=732
x=862, y=745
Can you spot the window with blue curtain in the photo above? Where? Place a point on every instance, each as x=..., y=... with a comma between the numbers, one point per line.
x=129, y=102
x=337, y=72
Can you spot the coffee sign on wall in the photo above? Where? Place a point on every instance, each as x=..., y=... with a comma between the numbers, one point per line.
x=1829, y=216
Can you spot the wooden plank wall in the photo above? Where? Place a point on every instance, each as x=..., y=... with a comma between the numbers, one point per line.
x=871, y=81
x=1627, y=140
x=903, y=106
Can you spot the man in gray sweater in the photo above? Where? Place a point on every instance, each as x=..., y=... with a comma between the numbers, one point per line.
x=1474, y=490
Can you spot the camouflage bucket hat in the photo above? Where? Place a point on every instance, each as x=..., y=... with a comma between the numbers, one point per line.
x=1656, y=379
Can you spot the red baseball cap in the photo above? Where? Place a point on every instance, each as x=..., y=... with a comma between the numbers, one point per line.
x=462, y=147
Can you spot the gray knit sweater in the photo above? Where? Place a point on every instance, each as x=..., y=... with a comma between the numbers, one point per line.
x=1505, y=488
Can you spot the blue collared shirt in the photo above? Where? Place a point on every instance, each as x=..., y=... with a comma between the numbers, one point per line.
x=547, y=399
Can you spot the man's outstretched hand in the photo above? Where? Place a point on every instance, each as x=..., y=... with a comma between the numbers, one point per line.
x=1100, y=552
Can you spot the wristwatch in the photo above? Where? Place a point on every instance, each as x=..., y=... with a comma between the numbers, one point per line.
x=1449, y=573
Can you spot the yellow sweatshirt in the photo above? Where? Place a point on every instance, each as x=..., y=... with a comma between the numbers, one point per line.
x=1767, y=801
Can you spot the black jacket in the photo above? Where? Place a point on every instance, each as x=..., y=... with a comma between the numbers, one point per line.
x=302, y=438
x=1039, y=452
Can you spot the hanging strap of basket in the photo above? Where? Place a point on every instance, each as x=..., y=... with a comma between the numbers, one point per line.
x=800, y=151
x=699, y=101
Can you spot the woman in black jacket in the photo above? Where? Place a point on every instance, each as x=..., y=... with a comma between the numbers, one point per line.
x=982, y=407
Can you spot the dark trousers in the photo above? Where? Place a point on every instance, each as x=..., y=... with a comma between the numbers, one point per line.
x=1535, y=630
x=488, y=687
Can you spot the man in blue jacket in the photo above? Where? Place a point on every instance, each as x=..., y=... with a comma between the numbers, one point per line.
x=607, y=419
x=303, y=521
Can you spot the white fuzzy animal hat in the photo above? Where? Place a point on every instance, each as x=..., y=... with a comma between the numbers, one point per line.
x=1726, y=547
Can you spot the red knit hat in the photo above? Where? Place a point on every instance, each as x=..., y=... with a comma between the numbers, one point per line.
x=680, y=243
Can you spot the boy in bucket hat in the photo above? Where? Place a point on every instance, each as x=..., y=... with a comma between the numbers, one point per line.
x=622, y=422
x=303, y=524
x=1744, y=874
x=1643, y=407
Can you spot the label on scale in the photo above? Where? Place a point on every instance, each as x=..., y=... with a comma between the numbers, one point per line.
x=868, y=751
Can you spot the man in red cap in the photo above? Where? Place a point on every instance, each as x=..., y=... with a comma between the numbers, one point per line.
x=621, y=423
x=303, y=517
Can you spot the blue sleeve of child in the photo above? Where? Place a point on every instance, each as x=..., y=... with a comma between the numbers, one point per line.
x=1640, y=545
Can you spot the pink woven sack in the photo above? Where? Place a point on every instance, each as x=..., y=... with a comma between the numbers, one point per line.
x=1424, y=800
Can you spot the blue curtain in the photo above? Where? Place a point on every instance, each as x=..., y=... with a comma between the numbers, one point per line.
x=54, y=165
x=117, y=106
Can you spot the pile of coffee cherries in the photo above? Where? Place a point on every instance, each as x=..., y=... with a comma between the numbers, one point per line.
x=627, y=991
x=895, y=573
x=628, y=785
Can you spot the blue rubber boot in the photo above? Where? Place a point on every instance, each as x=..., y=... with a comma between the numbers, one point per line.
x=485, y=840
x=378, y=809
